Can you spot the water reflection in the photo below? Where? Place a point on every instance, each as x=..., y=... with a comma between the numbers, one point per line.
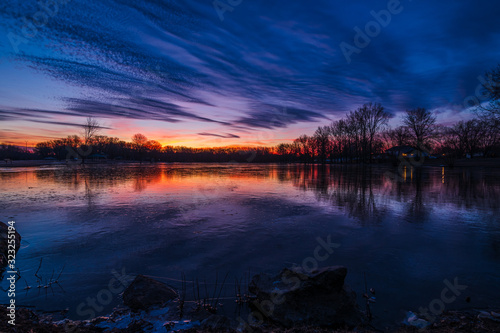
x=201, y=218
x=365, y=194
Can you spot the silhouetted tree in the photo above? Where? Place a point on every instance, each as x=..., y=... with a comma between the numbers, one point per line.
x=90, y=130
x=372, y=118
x=466, y=136
x=399, y=136
x=303, y=147
x=322, y=142
x=420, y=122
x=491, y=89
x=139, y=142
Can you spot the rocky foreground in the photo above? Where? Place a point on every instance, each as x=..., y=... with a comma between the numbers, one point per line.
x=291, y=301
x=28, y=321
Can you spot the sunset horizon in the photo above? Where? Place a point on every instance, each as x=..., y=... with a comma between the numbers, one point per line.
x=181, y=85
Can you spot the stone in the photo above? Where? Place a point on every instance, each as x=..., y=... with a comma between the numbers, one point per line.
x=219, y=323
x=299, y=298
x=145, y=292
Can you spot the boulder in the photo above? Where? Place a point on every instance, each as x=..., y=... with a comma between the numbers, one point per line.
x=218, y=323
x=145, y=292
x=299, y=298
x=4, y=232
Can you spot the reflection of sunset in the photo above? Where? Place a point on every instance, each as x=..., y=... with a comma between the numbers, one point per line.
x=157, y=183
x=160, y=218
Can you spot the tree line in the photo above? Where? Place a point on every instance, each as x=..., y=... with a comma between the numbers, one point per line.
x=91, y=146
x=363, y=135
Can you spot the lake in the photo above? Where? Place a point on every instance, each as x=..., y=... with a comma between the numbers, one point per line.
x=405, y=230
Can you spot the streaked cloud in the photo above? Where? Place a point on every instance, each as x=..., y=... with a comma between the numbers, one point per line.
x=225, y=136
x=174, y=61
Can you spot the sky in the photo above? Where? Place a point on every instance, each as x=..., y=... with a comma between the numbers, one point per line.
x=207, y=73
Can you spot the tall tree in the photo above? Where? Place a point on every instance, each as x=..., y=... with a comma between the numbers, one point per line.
x=367, y=121
x=90, y=130
x=303, y=143
x=322, y=140
x=139, y=141
x=491, y=87
x=420, y=122
x=468, y=136
x=374, y=118
x=399, y=136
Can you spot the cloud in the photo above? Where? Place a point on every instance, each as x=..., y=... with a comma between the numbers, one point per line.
x=64, y=123
x=150, y=59
x=136, y=108
x=225, y=136
x=274, y=116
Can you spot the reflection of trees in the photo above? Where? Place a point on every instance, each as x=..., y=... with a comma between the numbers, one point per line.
x=101, y=177
x=417, y=210
x=351, y=188
x=142, y=177
x=475, y=189
x=367, y=194
x=90, y=197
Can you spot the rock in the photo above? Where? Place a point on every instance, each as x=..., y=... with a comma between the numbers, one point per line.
x=145, y=292
x=4, y=232
x=298, y=298
x=413, y=320
x=219, y=323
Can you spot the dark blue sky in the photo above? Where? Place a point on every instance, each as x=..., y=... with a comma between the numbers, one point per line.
x=268, y=72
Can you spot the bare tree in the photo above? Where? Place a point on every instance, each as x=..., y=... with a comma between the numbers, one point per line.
x=304, y=149
x=420, y=122
x=491, y=90
x=322, y=140
x=90, y=130
x=467, y=136
x=140, y=141
x=367, y=121
x=491, y=137
x=374, y=118
x=399, y=136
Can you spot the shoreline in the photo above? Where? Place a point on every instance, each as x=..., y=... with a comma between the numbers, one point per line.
x=154, y=307
x=461, y=163
x=30, y=319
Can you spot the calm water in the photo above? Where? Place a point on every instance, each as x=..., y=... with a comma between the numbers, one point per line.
x=407, y=236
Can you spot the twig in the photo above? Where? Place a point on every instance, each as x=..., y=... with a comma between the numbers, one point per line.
x=36, y=273
x=215, y=287
x=183, y=295
x=368, y=310
x=27, y=286
x=62, y=269
x=206, y=294
x=50, y=281
x=220, y=291
x=198, y=288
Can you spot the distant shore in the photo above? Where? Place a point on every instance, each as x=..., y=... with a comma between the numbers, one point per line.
x=459, y=163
